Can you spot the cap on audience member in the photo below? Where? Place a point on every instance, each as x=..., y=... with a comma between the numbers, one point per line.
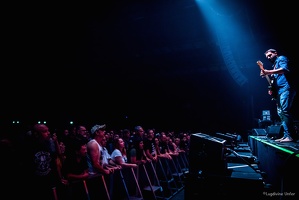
x=97, y=127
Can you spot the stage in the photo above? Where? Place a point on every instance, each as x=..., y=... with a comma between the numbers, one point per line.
x=260, y=168
x=280, y=162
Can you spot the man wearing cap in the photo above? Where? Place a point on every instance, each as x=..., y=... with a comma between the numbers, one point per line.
x=94, y=153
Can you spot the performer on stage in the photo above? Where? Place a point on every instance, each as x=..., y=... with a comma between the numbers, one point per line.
x=283, y=90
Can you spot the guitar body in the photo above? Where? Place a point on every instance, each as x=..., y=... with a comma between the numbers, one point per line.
x=270, y=81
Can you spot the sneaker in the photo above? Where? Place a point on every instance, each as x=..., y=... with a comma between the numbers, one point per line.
x=278, y=140
x=286, y=139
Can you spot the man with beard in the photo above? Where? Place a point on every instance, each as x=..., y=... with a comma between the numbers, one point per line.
x=283, y=90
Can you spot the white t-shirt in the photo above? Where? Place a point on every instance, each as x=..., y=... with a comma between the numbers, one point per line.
x=105, y=156
x=117, y=153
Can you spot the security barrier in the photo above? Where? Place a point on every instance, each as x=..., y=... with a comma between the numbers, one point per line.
x=153, y=180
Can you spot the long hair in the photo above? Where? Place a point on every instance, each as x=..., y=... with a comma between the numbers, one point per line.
x=116, y=146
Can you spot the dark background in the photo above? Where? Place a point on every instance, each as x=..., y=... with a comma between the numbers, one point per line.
x=150, y=63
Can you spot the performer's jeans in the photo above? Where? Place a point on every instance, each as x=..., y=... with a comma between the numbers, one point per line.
x=284, y=105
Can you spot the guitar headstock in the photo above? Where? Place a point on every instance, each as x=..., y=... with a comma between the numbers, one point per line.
x=260, y=64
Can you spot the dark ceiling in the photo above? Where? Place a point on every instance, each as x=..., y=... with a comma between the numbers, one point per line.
x=154, y=63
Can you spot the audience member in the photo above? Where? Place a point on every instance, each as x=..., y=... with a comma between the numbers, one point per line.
x=126, y=134
x=177, y=142
x=82, y=133
x=75, y=169
x=163, y=144
x=158, y=150
x=137, y=153
x=139, y=132
x=60, y=161
x=107, y=162
x=149, y=145
x=172, y=148
x=119, y=154
x=120, y=157
x=94, y=148
x=40, y=164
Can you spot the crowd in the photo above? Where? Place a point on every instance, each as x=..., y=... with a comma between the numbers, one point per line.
x=44, y=164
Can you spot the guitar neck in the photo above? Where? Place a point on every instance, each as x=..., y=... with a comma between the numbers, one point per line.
x=268, y=79
x=260, y=64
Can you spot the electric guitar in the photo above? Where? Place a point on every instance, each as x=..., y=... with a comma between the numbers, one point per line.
x=270, y=81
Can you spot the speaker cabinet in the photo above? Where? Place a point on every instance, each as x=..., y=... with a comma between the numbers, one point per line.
x=259, y=132
x=274, y=131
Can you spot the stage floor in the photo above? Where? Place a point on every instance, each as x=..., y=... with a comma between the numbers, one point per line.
x=291, y=146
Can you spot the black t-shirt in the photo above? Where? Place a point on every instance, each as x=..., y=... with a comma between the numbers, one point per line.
x=39, y=163
x=149, y=145
x=71, y=165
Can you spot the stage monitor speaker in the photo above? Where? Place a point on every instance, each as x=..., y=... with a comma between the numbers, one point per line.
x=274, y=131
x=207, y=155
x=259, y=132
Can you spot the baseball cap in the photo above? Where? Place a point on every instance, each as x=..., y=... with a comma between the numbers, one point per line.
x=97, y=127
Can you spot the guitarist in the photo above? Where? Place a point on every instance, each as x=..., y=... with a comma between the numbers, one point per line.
x=284, y=86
